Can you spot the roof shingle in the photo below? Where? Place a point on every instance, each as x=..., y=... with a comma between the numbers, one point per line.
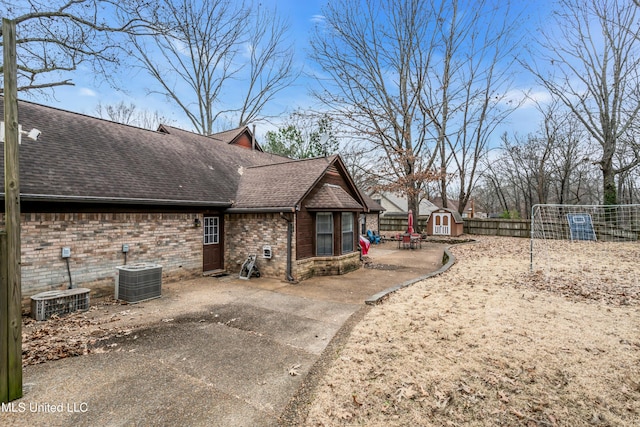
x=279, y=185
x=78, y=156
x=82, y=158
x=332, y=197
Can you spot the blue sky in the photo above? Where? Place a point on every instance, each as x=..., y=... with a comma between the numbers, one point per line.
x=87, y=93
x=301, y=14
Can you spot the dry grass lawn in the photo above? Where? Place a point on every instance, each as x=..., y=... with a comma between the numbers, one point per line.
x=488, y=343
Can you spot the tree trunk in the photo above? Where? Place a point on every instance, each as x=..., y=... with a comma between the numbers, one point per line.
x=414, y=206
x=610, y=193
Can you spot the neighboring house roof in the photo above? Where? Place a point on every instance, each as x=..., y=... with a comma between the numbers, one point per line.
x=454, y=204
x=393, y=203
x=451, y=204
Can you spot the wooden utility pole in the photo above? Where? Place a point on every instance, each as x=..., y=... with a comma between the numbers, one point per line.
x=11, y=288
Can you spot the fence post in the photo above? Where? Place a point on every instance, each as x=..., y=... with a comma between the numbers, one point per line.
x=11, y=254
x=4, y=321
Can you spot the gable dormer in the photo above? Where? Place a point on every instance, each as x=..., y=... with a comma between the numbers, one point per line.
x=241, y=137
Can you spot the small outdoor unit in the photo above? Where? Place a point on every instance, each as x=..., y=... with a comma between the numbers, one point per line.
x=266, y=252
x=138, y=282
x=46, y=304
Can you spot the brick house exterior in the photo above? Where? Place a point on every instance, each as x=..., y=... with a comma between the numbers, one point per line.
x=189, y=202
x=96, y=241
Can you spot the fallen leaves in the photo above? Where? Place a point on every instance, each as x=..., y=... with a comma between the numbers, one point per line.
x=355, y=400
x=488, y=343
x=71, y=335
x=295, y=370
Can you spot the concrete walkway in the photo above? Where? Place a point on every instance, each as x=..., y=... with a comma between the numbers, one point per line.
x=210, y=352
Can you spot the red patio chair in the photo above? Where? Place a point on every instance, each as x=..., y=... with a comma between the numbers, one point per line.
x=406, y=241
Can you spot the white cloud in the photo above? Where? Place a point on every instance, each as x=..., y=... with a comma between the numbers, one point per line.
x=85, y=91
x=248, y=50
x=317, y=19
x=537, y=97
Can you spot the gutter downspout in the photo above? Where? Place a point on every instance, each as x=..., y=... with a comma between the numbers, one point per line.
x=290, y=278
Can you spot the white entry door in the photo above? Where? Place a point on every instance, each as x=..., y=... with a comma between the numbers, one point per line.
x=441, y=224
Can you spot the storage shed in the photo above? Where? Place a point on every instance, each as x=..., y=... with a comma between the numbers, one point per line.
x=445, y=222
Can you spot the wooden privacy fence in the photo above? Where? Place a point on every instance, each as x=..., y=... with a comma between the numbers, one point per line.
x=399, y=224
x=498, y=227
x=480, y=226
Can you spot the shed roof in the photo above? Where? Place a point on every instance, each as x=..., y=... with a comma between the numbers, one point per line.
x=456, y=215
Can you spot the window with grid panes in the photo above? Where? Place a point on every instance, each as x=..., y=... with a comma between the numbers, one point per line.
x=324, y=234
x=347, y=232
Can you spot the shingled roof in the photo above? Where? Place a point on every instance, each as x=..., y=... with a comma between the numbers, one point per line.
x=281, y=185
x=231, y=136
x=79, y=158
x=83, y=158
x=331, y=196
x=372, y=205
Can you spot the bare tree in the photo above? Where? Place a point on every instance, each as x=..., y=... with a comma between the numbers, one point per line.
x=417, y=80
x=120, y=112
x=131, y=115
x=373, y=60
x=196, y=61
x=569, y=156
x=466, y=96
x=56, y=37
x=551, y=165
x=270, y=66
x=594, y=66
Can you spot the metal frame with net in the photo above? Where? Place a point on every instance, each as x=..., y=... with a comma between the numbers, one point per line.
x=596, y=245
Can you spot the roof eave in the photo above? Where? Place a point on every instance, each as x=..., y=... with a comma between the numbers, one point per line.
x=262, y=210
x=118, y=200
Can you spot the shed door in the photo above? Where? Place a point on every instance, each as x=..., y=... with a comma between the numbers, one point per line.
x=213, y=249
x=441, y=224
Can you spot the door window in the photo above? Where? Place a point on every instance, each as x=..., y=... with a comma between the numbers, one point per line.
x=211, y=230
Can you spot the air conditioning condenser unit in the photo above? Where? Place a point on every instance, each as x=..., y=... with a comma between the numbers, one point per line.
x=138, y=282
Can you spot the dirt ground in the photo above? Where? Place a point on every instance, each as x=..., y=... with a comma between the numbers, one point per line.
x=489, y=343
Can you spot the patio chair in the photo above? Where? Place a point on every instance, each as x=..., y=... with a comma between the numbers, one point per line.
x=406, y=241
x=372, y=237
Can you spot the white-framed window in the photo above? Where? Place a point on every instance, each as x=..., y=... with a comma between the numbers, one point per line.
x=211, y=230
x=347, y=232
x=324, y=233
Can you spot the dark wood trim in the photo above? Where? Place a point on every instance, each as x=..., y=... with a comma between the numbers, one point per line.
x=59, y=207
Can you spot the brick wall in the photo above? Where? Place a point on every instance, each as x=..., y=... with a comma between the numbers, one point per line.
x=372, y=222
x=246, y=234
x=327, y=266
x=171, y=240
x=96, y=241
